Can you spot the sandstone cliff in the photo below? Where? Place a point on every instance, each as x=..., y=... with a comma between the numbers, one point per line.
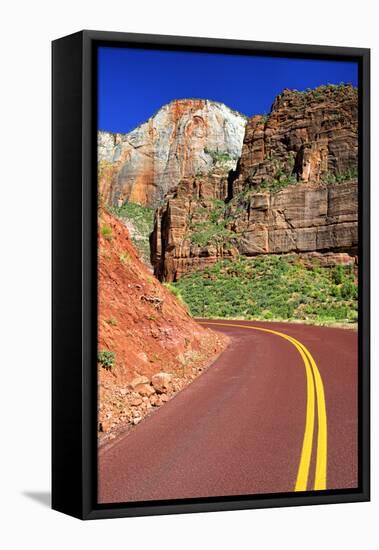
x=310, y=135
x=143, y=330
x=294, y=190
x=182, y=139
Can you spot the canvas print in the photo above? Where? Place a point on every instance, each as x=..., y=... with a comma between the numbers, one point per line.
x=227, y=275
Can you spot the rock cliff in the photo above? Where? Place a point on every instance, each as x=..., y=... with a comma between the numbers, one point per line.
x=311, y=135
x=182, y=139
x=294, y=189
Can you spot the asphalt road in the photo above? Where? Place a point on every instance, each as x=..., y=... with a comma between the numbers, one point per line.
x=276, y=412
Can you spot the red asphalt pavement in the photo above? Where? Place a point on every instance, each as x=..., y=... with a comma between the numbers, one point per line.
x=238, y=429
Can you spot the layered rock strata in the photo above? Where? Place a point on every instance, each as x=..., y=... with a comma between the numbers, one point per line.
x=310, y=135
x=295, y=189
x=182, y=139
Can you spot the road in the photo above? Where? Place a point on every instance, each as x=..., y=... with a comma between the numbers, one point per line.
x=276, y=412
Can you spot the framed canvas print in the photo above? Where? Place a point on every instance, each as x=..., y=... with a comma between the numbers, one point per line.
x=210, y=274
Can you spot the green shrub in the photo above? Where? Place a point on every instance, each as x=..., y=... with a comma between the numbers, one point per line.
x=213, y=229
x=350, y=174
x=349, y=291
x=283, y=176
x=219, y=157
x=106, y=231
x=278, y=184
x=106, y=359
x=338, y=274
x=270, y=287
x=176, y=292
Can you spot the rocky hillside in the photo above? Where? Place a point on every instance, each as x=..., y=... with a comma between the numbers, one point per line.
x=182, y=139
x=294, y=190
x=149, y=347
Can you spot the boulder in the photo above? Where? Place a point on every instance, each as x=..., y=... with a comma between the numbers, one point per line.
x=161, y=381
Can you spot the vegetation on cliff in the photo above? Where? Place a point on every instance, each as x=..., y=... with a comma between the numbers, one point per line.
x=294, y=188
x=271, y=288
x=212, y=228
x=183, y=138
x=139, y=220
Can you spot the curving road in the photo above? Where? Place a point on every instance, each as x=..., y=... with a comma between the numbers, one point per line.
x=276, y=412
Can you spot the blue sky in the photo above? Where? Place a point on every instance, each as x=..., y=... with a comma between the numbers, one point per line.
x=134, y=83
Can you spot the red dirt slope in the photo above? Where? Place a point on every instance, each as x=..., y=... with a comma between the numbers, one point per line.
x=148, y=331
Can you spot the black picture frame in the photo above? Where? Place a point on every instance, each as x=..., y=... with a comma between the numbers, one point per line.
x=74, y=313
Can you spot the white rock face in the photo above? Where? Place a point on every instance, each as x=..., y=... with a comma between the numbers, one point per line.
x=182, y=139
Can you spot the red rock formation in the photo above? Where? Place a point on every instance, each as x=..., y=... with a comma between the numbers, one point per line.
x=148, y=331
x=294, y=190
x=311, y=135
x=173, y=249
x=180, y=140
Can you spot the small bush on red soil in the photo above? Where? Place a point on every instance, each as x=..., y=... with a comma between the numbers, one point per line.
x=106, y=359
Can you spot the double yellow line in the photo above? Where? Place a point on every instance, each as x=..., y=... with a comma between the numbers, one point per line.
x=315, y=392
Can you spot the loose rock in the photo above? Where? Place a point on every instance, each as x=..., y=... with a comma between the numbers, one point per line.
x=135, y=401
x=161, y=381
x=144, y=389
x=139, y=380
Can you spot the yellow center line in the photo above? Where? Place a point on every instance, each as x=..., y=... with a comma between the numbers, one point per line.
x=322, y=437
x=314, y=385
